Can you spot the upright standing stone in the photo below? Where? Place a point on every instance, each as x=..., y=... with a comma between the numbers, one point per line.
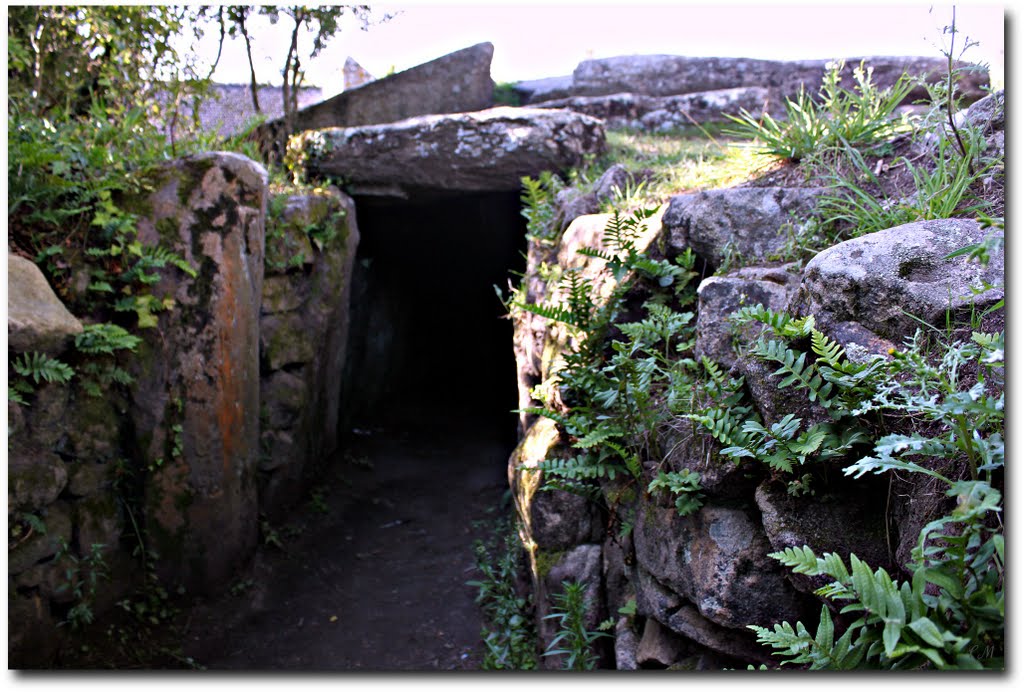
x=196, y=396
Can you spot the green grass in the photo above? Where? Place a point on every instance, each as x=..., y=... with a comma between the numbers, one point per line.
x=675, y=162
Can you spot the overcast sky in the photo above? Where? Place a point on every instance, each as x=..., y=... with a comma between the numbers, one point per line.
x=534, y=39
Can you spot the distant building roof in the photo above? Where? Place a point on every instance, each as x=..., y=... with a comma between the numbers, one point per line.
x=228, y=108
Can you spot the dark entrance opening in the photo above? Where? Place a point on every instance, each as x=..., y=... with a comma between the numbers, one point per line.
x=429, y=346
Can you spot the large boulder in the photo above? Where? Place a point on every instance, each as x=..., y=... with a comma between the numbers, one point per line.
x=888, y=280
x=195, y=401
x=36, y=318
x=752, y=223
x=532, y=91
x=717, y=559
x=488, y=150
x=674, y=612
x=454, y=83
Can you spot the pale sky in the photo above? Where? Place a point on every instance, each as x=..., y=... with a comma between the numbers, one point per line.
x=534, y=39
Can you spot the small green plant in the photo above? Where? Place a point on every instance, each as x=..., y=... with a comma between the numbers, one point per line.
x=101, y=343
x=615, y=385
x=508, y=637
x=573, y=640
x=684, y=484
x=317, y=500
x=82, y=578
x=539, y=205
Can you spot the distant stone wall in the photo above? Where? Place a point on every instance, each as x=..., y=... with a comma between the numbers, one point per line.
x=660, y=92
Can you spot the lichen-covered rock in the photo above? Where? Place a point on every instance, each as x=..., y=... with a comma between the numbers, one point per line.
x=655, y=601
x=853, y=522
x=36, y=318
x=33, y=635
x=98, y=523
x=717, y=559
x=625, y=644
x=664, y=75
x=195, y=402
x=488, y=150
x=304, y=326
x=546, y=89
x=888, y=280
x=35, y=476
x=661, y=113
x=36, y=547
x=752, y=223
x=718, y=297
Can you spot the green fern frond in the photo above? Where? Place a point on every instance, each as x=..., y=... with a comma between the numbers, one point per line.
x=723, y=426
x=105, y=338
x=41, y=367
x=685, y=485
x=828, y=350
x=794, y=370
x=580, y=467
x=598, y=436
x=801, y=560
x=781, y=323
x=556, y=313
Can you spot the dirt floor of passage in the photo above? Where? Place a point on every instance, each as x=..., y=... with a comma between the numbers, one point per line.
x=371, y=573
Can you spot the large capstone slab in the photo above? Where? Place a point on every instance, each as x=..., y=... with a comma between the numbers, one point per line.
x=488, y=150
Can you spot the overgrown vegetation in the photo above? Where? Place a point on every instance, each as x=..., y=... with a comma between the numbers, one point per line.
x=99, y=98
x=933, y=406
x=946, y=401
x=508, y=636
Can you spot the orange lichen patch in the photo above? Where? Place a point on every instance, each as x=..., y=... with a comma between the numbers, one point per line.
x=230, y=392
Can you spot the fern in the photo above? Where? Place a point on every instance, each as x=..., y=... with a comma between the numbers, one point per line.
x=685, y=485
x=723, y=424
x=578, y=308
x=105, y=338
x=794, y=370
x=781, y=323
x=538, y=204
x=580, y=467
x=41, y=367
